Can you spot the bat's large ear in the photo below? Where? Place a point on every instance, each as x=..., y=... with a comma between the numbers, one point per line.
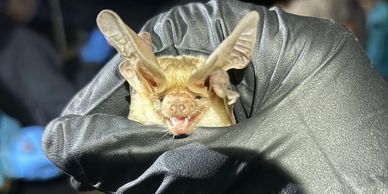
x=139, y=66
x=234, y=52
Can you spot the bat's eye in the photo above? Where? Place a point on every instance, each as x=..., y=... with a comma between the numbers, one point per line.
x=161, y=98
x=198, y=97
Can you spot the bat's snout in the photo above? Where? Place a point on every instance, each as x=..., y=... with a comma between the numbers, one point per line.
x=179, y=109
x=179, y=112
x=179, y=104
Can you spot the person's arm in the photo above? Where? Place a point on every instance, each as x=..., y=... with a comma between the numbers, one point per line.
x=31, y=76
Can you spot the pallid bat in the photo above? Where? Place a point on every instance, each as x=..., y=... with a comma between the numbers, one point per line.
x=180, y=92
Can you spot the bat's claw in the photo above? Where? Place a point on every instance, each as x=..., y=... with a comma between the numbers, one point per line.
x=232, y=96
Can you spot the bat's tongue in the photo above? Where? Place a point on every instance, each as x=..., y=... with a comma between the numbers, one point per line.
x=179, y=123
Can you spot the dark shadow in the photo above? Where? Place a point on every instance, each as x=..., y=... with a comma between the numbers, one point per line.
x=207, y=172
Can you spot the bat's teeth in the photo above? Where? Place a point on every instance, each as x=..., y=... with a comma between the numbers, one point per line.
x=186, y=122
x=179, y=123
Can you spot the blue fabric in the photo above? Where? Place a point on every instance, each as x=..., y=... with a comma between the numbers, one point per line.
x=97, y=49
x=21, y=155
x=378, y=37
x=8, y=127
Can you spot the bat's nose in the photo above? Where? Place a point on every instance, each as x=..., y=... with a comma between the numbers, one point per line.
x=178, y=104
x=179, y=109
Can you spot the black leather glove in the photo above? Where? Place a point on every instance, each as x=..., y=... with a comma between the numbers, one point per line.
x=312, y=116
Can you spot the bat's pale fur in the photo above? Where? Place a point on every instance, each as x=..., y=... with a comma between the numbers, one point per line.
x=148, y=107
x=180, y=92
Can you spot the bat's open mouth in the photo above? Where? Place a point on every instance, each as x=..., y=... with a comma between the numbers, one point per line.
x=181, y=125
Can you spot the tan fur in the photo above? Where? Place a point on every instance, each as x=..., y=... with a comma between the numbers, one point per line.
x=178, y=71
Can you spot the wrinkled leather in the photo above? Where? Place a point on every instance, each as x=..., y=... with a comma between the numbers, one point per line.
x=312, y=117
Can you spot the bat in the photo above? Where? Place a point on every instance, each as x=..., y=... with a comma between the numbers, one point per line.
x=180, y=92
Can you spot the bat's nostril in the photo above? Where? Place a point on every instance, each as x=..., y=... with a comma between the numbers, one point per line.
x=182, y=108
x=178, y=109
x=173, y=108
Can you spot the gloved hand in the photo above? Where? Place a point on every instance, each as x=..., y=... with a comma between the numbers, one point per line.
x=312, y=116
x=21, y=155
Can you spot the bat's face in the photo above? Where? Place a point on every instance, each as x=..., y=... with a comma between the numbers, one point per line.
x=174, y=101
x=181, y=110
x=181, y=90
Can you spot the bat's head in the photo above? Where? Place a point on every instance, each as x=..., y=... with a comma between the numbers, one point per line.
x=182, y=88
x=180, y=107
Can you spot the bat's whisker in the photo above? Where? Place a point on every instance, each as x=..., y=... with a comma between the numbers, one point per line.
x=167, y=133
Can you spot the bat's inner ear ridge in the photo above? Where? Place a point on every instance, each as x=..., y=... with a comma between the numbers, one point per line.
x=153, y=83
x=206, y=83
x=139, y=67
x=234, y=52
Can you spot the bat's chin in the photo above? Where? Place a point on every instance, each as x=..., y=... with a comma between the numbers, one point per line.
x=181, y=125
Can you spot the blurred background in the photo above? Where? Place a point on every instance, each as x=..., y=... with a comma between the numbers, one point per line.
x=49, y=49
